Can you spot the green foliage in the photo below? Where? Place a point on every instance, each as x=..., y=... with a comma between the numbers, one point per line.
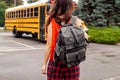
x=117, y=3
x=31, y=1
x=99, y=12
x=11, y=2
x=2, y=11
x=104, y=35
x=5, y=4
x=117, y=11
x=4, y=30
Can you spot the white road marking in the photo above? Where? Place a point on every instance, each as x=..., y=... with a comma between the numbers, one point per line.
x=7, y=50
x=114, y=78
x=23, y=44
x=17, y=49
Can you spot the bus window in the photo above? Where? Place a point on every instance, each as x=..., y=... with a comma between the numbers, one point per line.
x=21, y=13
x=6, y=15
x=35, y=11
x=24, y=13
x=9, y=15
x=17, y=14
x=28, y=13
x=14, y=14
x=31, y=12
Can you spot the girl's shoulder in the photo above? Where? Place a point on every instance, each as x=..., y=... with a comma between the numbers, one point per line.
x=79, y=22
x=76, y=21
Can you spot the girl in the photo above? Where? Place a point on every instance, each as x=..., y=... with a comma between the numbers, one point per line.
x=60, y=14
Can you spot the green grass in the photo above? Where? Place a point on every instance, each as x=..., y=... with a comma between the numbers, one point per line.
x=104, y=35
x=2, y=30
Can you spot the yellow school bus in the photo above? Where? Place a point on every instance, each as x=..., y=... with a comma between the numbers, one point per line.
x=29, y=19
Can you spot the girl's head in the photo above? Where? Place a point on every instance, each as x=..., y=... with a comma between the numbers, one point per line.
x=63, y=8
x=74, y=1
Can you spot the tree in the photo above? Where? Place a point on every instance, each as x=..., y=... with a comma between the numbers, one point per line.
x=99, y=12
x=5, y=4
x=2, y=10
x=19, y=2
x=11, y=2
x=103, y=12
x=117, y=12
x=31, y=1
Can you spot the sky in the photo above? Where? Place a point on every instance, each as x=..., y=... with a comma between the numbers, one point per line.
x=24, y=1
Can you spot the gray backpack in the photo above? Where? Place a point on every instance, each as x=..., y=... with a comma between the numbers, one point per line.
x=71, y=44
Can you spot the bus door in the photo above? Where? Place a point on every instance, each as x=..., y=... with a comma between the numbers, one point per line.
x=42, y=22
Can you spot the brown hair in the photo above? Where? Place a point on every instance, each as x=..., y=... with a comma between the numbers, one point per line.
x=60, y=7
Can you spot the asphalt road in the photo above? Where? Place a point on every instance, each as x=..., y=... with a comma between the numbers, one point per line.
x=21, y=59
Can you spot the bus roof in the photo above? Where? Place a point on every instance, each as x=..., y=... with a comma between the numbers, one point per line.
x=26, y=5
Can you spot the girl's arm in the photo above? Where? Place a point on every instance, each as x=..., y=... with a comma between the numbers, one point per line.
x=48, y=48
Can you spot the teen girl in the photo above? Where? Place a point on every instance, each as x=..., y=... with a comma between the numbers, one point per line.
x=60, y=14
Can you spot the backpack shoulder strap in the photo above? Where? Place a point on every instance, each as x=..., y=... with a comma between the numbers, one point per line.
x=73, y=19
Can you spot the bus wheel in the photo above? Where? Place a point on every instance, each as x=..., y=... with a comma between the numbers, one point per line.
x=34, y=35
x=16, y=33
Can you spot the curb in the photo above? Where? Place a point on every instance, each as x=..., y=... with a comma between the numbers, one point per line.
x=1, y=28
x=114, y=78
x=118, y=44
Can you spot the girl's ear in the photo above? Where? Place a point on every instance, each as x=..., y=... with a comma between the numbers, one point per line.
x=52, y=1
x=74, y=5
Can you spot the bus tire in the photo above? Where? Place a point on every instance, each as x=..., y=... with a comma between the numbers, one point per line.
x=34, y=35
x=16, y=33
